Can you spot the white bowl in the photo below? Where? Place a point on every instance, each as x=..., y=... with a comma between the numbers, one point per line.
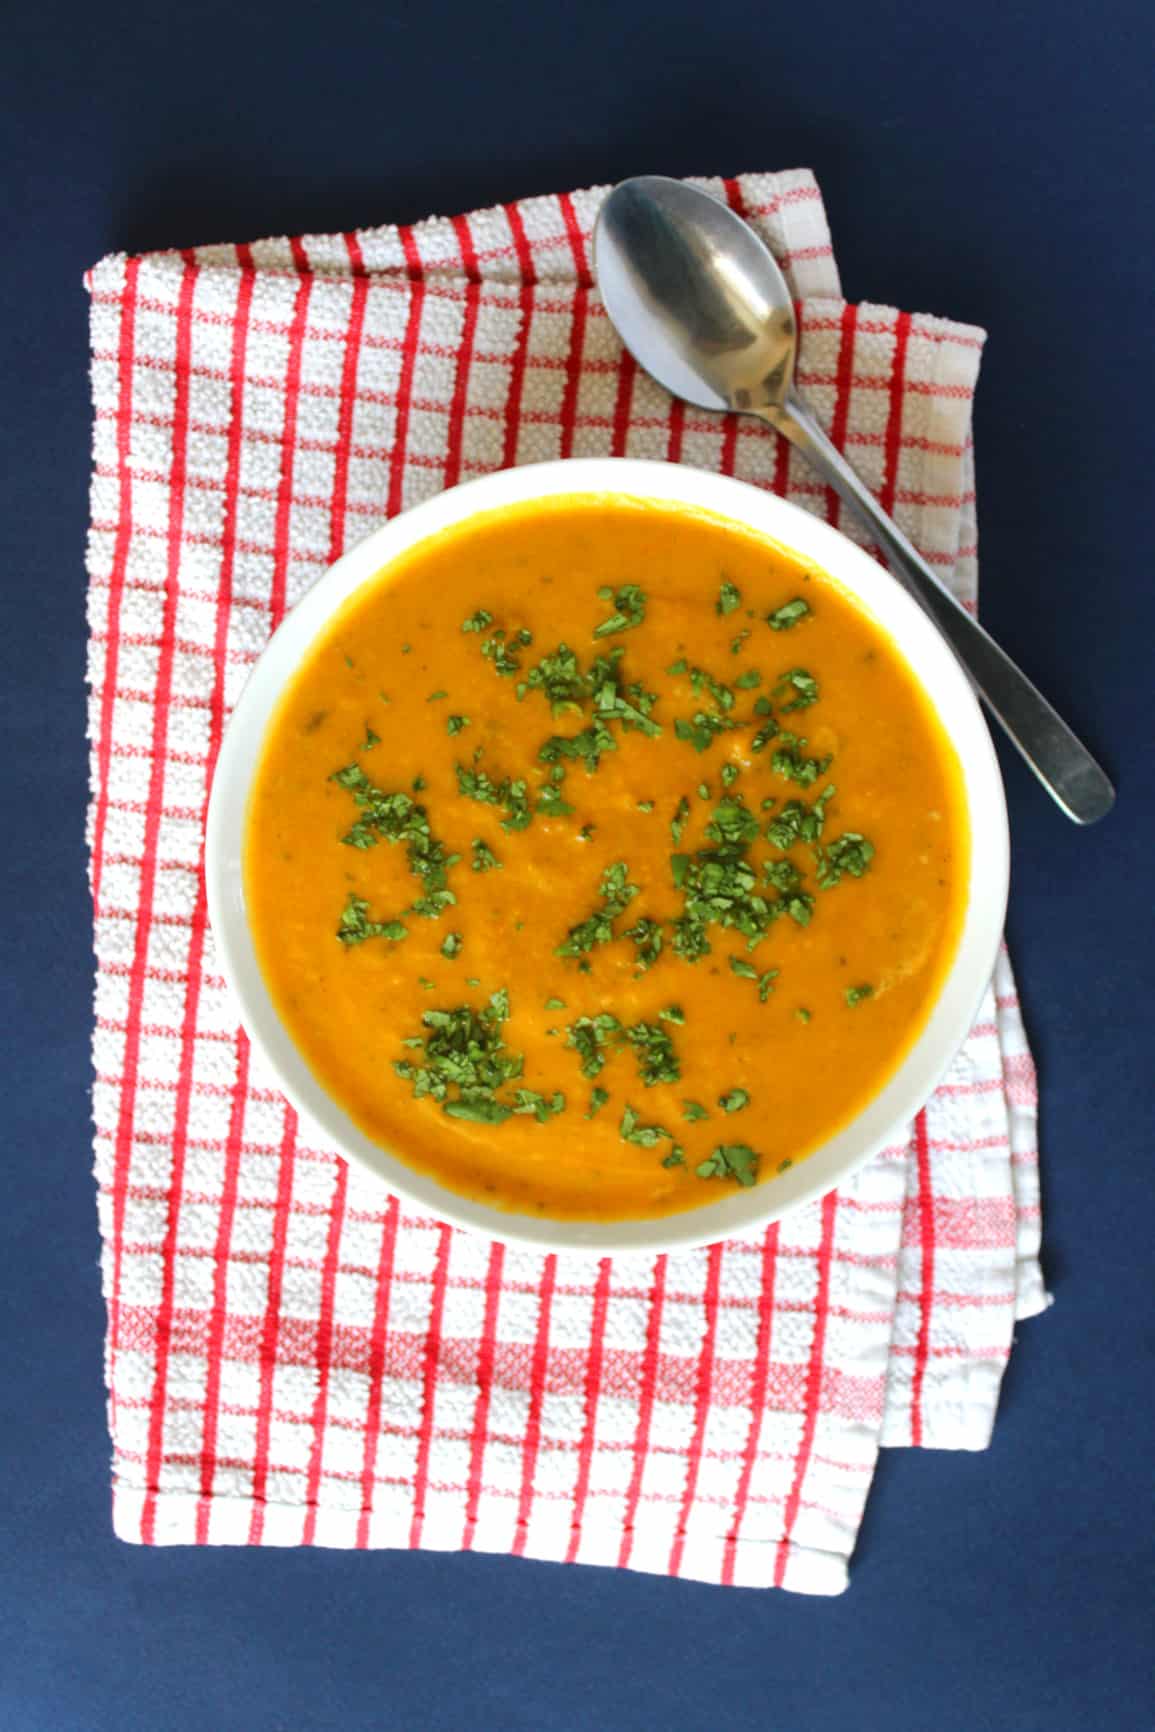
x=741, y=1211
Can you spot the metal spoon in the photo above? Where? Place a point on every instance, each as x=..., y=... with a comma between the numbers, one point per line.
x=700, y=303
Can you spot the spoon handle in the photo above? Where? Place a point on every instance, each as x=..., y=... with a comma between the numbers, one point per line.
x=1061, y=762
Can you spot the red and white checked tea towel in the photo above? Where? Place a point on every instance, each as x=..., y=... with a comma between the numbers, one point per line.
x=293, y=1357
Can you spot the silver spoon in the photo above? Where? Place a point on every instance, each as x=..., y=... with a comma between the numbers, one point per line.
x=700, y=303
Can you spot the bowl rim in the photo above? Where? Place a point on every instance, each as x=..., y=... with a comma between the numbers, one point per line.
x=739, y=1213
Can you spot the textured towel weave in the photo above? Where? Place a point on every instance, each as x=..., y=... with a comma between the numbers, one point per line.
x=294, y=1358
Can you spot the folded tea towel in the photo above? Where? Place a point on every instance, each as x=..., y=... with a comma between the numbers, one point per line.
x=293, y=1356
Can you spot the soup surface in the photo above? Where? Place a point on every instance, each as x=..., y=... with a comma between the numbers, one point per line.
x=603, y=854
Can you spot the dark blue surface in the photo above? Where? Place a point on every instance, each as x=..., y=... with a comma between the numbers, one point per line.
x=991, y=161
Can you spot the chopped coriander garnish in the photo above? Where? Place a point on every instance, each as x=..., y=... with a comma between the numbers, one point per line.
x=736, y=1161
x=510, y=792
x=734, y=1100
x=732, y=822
x=655, y=1053
x=543, y=1107
x=593, y=1038
x=766, y=984
x=617, y=893
x=678, y=821
x=792, y=899
x=555, y=1004
x=858, y=994
x=503, y=650
x=479, y=621
x=783, y=618
x=371, y=739
x=484, y=859
x=798, y=822
x=674, y=1159
x=586, y=832
x=454, y=724
x=418, y=783
x=694, y=1111
x=746, y=682
x=598, y=1099
x=803, y=687
x=629, y=602
x=425, y=984
x=704, y=791
x=736, y=643
x=406, y=649
x=848, y=855
x=673, y=1013
x=645, y=805
x=395, y=817
x=728, y=775
x=434, y=697
x=467, y=1065
x=739, y=966
x=355, y=925
x=632, y=1130
x=451, y=945
x=729, y=598
x=802, y=1014
x=790, y=761
x=647, y=937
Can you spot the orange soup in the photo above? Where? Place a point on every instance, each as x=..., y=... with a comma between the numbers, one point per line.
x=602, y=854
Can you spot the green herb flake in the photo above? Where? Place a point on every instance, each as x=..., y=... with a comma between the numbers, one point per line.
x=466, y=1065
x=678, y=821
x=746, y=682
x=371, y=739
x=673, y=1013
x=858, y=994
x=739, y=966
x=454, y=724
x=479, y=621
x=426, y=985
x=616, y=893
x=736, y=643
x=789, y=760
x=736, y=1161
x=802, y=1014
x=435, y=697
x=766, y=984
x=632, y=1130
x=451, y=945
x=510, y=793
x=800, y=686
x=729, y=599
x=598, y=1099
x=395, y=817
x=555, y=1004
x=645, y=805
x=629, y=609
x=675, y=1158
x=848, y=855
x=655, y=1053
x=355, y=925
x=484, y=859
x=694, y=1111
x=593, y=1038
x=786, y=617
x=734, y=1100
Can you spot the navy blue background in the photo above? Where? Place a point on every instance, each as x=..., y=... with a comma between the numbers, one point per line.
x=990, y=161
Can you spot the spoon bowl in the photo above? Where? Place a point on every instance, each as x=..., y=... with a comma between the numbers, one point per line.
x=695, y=296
